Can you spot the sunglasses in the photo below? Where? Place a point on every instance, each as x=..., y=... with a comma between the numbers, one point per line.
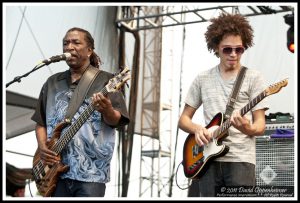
x=237, y=50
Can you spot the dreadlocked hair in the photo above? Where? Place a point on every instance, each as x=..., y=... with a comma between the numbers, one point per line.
x=228, y=24
x=94, y=58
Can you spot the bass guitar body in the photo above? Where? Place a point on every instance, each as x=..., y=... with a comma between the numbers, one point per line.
x=46, y=176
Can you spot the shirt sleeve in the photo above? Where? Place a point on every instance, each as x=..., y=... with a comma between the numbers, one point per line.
x=119, y=104
x=193, y=97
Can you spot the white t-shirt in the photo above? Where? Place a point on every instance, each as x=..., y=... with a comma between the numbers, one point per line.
x=209, y=89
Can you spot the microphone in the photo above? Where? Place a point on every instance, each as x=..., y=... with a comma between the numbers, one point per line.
x=57, y=58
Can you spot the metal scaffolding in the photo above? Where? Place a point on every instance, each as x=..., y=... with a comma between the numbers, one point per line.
x=194, y=14
x=155, y=131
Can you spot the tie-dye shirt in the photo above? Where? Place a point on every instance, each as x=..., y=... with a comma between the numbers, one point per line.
x=90, y=150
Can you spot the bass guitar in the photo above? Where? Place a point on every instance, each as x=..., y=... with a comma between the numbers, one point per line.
x=196, y=158
x=46, y=176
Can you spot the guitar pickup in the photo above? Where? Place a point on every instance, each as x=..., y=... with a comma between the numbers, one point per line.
x=196, y=149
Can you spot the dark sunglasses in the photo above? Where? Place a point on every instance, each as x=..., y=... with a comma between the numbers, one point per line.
x=228, y=50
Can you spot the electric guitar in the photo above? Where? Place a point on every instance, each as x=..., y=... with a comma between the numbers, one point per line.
x=46, y=176
x=196, y=158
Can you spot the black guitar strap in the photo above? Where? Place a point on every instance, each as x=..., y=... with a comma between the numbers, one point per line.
x=80, y=91
x=236, y=88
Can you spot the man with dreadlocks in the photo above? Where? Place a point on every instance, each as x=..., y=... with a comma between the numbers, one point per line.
x=228, y=36
x=88, y=154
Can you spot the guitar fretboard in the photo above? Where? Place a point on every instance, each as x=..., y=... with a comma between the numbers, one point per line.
x=220, y=131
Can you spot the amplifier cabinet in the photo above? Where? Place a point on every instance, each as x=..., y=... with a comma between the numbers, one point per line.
x=274, y=161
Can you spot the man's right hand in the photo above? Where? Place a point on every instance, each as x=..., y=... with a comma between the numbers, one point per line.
x=47, y=156
x=202, y=135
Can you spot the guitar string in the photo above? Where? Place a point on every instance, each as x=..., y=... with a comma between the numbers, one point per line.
x=246, y=108
x=40, y=167
x=57, y=146
x=243, y=111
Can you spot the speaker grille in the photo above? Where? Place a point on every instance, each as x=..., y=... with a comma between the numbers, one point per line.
x=274, y=161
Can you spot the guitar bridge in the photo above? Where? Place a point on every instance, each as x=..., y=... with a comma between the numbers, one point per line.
x=197, y=164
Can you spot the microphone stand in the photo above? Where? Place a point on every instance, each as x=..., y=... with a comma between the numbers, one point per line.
x=18, y=78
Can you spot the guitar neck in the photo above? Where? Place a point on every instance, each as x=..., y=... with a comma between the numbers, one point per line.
x=220, y=131
x=72, y=130
x=253, y=103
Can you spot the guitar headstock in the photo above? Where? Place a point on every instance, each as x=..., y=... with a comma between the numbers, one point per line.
x=272, y=89
x=118, y=81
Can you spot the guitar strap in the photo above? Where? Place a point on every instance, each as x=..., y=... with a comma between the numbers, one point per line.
x=80, y=91
x=236, y=88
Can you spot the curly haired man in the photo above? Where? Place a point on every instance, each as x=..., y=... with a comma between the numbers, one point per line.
x=228, y=36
